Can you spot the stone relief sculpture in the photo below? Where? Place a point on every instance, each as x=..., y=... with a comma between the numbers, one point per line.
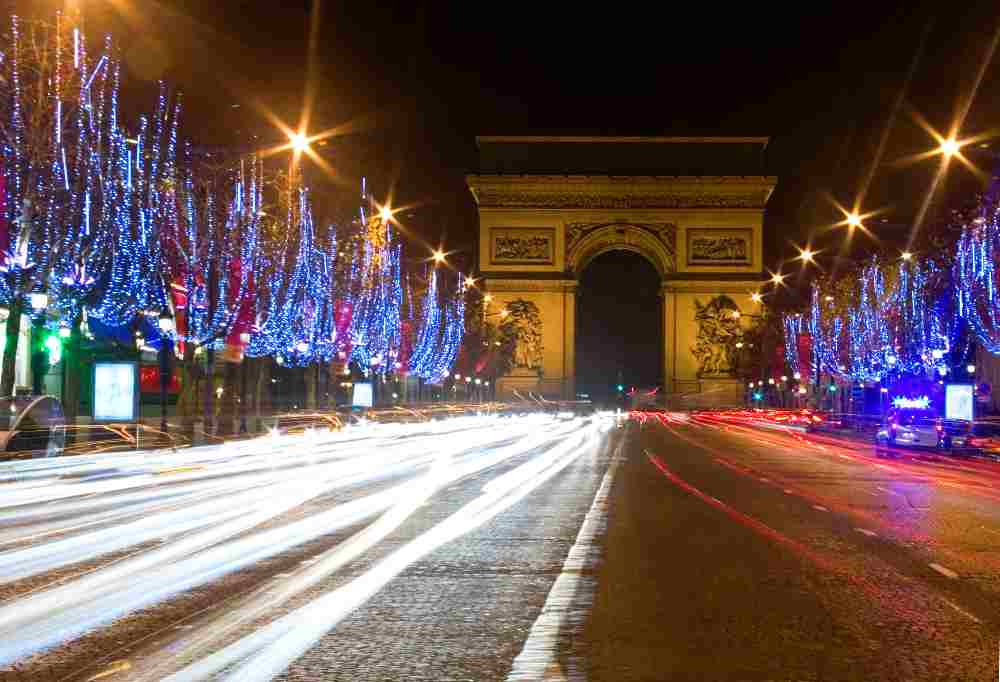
x=727, y=248
x=714, y=246
x=524, y=323
x=523, y=245
x=522, y=248
x=718, y=331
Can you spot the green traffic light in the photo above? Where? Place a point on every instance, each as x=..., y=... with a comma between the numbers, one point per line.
x=620, y=388
x=833, y=389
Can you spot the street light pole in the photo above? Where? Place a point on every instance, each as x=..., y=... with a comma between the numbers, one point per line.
x=166, y=325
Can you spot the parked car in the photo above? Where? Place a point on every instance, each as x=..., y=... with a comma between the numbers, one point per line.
x=910, y=427
x=966, y=438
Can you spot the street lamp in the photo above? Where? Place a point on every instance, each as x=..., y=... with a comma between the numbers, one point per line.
x=165, y=355
x=971, y=369
x=299, y=142
x=777, y=278
x=756, y=297
x=439, y=256
x=853, y=219
x=906, y=255
x=949, y=147
x=165, y=323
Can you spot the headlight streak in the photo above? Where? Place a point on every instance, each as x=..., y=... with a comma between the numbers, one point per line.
x=269, y=651
x=256, y=606
x=51, y=616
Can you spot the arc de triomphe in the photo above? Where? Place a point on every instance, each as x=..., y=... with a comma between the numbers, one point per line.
x=548, y=206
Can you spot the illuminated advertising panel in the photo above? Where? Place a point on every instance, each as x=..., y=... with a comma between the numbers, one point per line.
x=958, y=401
x=116, y=391
x=362, y=395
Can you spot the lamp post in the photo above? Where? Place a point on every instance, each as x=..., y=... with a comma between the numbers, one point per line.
x=166, y=325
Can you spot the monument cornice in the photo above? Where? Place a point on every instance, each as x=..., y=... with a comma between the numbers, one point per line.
x=498, y=285
x=677, y=286
x=621, y=192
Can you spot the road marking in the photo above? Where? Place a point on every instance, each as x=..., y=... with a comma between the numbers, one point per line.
x=886, y=490
x=962, y=611
x=787, y=491
x=946, y=572
x=765, y=480
x=538, y=657
x=281, y=575
x=819, y=507
x=869, y=533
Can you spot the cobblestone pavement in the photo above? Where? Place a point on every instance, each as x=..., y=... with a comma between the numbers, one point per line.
x=393, y=555
x=665, y=548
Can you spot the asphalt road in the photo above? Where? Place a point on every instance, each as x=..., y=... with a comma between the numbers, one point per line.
x=503, y=549
x=741, y=554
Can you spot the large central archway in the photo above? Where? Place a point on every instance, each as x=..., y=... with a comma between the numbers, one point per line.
x=619, y=335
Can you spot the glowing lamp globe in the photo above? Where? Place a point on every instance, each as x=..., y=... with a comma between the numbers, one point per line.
x=39, y=300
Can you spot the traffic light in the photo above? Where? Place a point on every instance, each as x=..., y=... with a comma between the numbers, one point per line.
x=833, y=388
x=620, y=388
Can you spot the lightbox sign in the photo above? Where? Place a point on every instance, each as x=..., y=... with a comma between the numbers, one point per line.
x=958, y=401
x=362, y=395
x=921, y=403
x=116, y=391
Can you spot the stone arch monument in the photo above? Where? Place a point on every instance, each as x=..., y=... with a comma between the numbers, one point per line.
x=693, y=207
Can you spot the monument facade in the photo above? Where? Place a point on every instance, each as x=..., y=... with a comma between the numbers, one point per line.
x=549, y=206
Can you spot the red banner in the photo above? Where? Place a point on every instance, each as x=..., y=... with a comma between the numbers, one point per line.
x=149, y=381
x=805, y=355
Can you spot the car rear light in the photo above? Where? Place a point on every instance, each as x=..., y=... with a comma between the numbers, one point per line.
x=939, y=428
x=971, y=442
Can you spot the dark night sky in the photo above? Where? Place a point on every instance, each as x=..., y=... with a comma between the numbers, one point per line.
x=413, y=87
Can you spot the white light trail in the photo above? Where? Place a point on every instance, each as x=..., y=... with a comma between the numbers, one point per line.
x=206, y=521
x=266, y=653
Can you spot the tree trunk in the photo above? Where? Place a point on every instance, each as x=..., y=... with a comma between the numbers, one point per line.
x=208, y=390
x=227, y=406
x=72, y=370
x=261, y=389
x=187, y=401
x=12, y=336
x=309, y=377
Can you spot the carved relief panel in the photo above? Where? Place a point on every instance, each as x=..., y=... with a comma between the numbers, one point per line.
x=522, y=245
x=716, y=247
